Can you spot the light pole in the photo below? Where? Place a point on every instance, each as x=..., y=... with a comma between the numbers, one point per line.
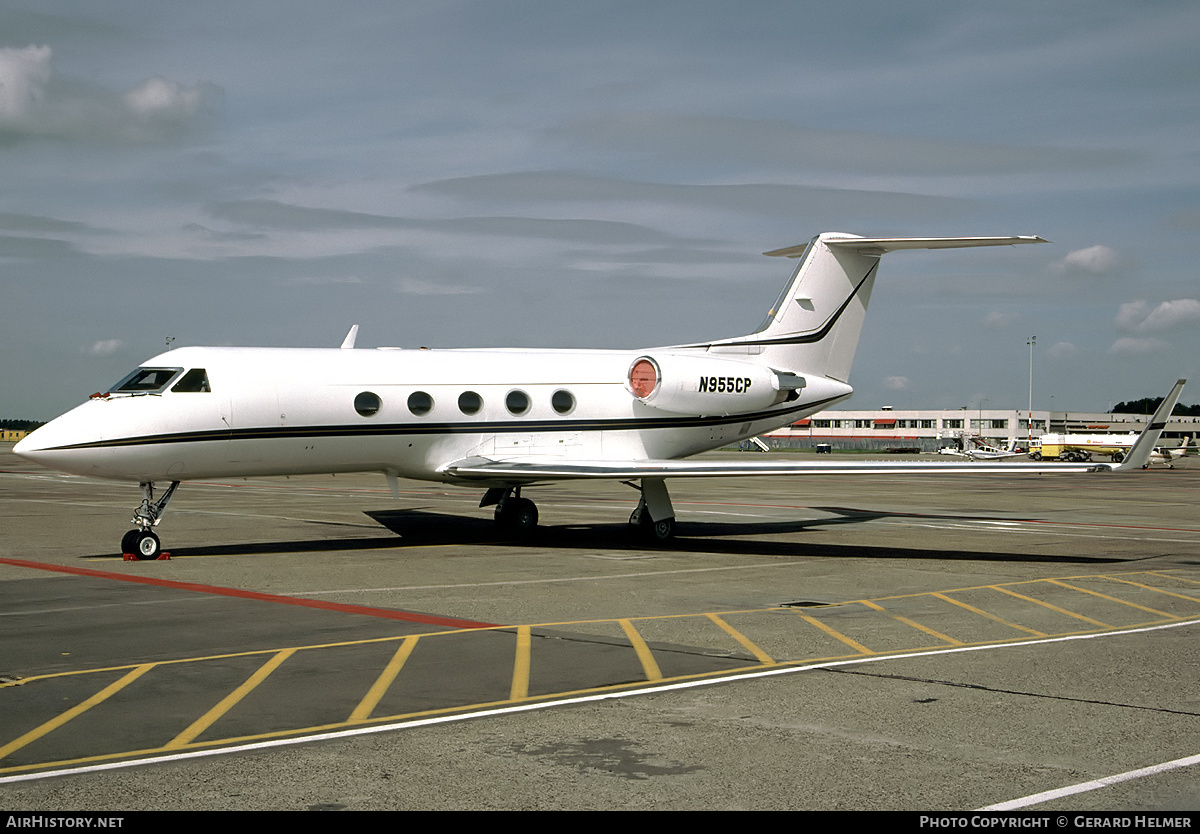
x=1029, y=424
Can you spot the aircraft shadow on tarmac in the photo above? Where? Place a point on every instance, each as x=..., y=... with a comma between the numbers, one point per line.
x=417, y=527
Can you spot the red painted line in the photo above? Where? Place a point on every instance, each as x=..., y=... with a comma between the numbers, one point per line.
x=382, y=613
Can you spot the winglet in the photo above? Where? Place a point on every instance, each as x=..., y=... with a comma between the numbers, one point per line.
x=351, y=337
x=1139, y=455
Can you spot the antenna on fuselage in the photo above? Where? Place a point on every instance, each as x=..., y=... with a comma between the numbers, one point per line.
x=351, y=337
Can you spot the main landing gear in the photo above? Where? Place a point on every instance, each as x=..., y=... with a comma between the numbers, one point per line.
x=655, y=531
x=142, y=544
x=514, y=515
x=653, y=518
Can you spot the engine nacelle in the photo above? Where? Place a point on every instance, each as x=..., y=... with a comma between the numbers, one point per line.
x=703, y=385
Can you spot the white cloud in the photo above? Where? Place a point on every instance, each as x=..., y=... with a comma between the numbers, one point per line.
x=417, y=286
x=105, y=347
x=1132, y=316
x=996, y=320
x=158, y=98
x=1062, y=350
x=1172, y=314
x=1136, y=346
x=31, y=107
x=23, y=77
x=896, y=383
x=1094, y=260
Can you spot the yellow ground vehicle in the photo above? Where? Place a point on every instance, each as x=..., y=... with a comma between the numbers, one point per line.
x=1081, y=447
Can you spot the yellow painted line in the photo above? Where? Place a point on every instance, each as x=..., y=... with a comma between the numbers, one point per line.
x=227, y=703
x=252, y=653
x=643, y=651
x=474, y=708
x=443, y=711
x=652, y=671
x=75, y=711
x=363, y=711
x=913, y=624
x=1152, y=588
x=987, y=614
x=1107, y=597
x=1004, y=590
x=832, y=632
x=1172, y=576
x=746, y=643
x=520, y=678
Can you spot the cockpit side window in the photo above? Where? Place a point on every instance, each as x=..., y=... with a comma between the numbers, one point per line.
x=146, y=381
x=194, y=381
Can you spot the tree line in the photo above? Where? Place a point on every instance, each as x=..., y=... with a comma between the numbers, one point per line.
x=1146, y=405
x=20, y=425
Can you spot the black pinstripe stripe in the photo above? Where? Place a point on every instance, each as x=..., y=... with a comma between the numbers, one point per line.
x=491, y=427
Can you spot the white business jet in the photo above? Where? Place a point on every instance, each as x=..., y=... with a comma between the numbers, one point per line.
x=500, y=419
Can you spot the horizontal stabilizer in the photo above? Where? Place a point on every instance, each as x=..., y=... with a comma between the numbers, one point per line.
x=880, y=245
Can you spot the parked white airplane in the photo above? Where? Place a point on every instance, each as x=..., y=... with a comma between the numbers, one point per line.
x=978, y=450
x=499, y=419
x=1167, y=456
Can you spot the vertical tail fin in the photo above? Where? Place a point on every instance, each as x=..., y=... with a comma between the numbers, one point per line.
x=815, y=325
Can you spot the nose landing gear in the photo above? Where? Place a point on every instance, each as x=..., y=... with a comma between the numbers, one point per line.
x=142, y=544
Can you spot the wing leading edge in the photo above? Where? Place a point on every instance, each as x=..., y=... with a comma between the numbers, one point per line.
x=531, y=469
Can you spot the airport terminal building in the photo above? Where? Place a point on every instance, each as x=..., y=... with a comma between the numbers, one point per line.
x=929, y=430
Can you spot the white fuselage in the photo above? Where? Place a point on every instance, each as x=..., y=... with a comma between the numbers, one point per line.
x=282, y=411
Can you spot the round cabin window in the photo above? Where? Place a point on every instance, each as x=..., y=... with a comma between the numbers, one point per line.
x=517, y=402
x=562, y=401
x=469, y=402
x=420, y=403
x=367, y=404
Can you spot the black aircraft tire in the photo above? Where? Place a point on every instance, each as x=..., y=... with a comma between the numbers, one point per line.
x=517, y=515
x=659, y=531
x=146, y=546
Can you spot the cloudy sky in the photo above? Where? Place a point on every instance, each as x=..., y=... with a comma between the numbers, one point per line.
x=564, y=174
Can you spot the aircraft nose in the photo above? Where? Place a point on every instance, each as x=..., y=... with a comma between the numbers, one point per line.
x=35, y=445
x=51, y=444
x=28, y=445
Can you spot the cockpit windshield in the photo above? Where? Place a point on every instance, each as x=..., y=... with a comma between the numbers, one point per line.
x=146, y=381
x=194, y=381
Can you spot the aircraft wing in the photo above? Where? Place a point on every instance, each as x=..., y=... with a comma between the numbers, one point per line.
x=531, y=469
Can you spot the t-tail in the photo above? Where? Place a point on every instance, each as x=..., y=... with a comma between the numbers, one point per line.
x=814, y=326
